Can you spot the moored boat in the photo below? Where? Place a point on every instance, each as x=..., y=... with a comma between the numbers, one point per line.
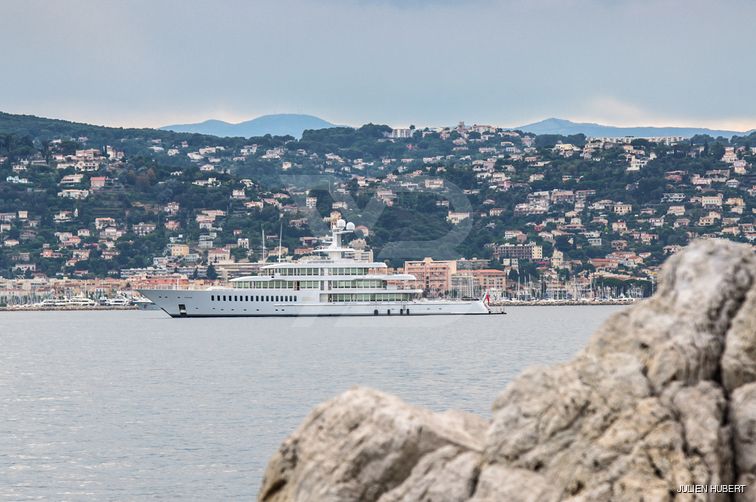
x=76, y=302
x=335, y=285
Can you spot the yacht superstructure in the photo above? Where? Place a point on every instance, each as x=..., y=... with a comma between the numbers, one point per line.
x=333, y=285
x=74, y=302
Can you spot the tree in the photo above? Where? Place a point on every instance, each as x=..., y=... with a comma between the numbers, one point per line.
x=211, y=273
x=563, y=243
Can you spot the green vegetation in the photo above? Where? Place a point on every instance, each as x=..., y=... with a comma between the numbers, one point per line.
x=246, y=179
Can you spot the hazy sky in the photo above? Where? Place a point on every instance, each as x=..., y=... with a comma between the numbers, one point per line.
x=423, y=62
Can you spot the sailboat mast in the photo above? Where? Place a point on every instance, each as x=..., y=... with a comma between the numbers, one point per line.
x=263, y=245
x=280, y=240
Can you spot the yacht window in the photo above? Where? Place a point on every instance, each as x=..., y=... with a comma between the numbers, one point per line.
x=212, y=298
x=224, y=298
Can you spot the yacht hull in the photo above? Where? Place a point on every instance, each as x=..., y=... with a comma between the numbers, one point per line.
x=240, y=303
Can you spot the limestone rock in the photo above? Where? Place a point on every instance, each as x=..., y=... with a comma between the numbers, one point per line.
x=743, y=415
x=739, y=358
x=446, y=475
x=663, y=395
x=362, y=444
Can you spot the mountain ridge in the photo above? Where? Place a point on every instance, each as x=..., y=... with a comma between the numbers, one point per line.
x=47, y=128
x=567, y=127
x=281, y=124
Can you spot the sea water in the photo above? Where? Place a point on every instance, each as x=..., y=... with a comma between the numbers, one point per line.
x=136, y=405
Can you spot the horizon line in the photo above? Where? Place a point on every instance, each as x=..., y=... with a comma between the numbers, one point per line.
x=579, y=121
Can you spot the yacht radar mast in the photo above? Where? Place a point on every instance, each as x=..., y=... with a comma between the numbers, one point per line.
x=335, y=250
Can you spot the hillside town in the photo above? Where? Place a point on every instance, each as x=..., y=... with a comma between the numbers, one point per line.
x=502, y=212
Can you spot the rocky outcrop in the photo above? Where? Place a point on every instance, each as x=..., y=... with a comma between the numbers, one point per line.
x=663, y=395
x=364, y=444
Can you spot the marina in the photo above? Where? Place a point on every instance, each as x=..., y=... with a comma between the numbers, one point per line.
x=81, y=302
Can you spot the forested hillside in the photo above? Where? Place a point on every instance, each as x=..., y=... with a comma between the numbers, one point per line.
x=91, y=200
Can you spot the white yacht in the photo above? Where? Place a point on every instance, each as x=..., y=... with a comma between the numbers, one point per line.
x=70, y=303
x=118, y=301
x=142, y=303
x=334, y=285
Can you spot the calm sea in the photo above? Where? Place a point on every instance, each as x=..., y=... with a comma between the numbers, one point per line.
x=135, y=405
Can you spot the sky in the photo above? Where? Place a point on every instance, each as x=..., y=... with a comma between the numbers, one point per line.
x=399, y=62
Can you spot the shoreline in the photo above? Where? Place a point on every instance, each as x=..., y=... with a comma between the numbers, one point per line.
x=497, y=305
x=31, y=308
x=554, y=303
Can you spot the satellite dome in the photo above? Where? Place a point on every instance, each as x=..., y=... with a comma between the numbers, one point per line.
x=340, y=224
x=350, y=226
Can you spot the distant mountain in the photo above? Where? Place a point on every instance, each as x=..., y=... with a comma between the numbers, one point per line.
x=567, y=127
x=276, y=125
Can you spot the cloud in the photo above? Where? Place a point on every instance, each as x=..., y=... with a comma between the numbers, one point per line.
x=136, y=62
x=413, y=4
x=611, y=110
x=614, y=111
